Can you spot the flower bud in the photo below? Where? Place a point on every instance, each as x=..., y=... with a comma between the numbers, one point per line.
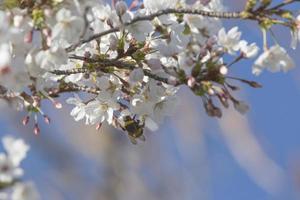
x=191, y=82
x=298, y=22
x=57, y=105
x=211, y=92
x=121, y=8
x=223, y=70
x=28, y=37
x=36, y=129
x=46, y=119
x=25, y=120
x=241, y=107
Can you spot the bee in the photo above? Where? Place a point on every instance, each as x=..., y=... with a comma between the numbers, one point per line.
x=134, y=129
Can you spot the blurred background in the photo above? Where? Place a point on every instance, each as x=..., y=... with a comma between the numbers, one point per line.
x=192, y=156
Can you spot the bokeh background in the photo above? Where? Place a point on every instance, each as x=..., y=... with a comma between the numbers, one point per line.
x=192, y=156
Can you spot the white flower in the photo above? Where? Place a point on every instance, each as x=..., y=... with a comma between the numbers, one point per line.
x=4, y=26
x=102, y=108
x=102, y=15
x=231, y=40
x=164, y=108
x=68, y=27
x=274, y=59
x=5, y=54
x=154, y=63
x=155, y=5
x=15, y=148
x=136, y=75
x=140, y=29
x=249, y=51
x=51, y=59
x=8, y=170
x=13, y=74
x=78, y=112
x=176, y=44
x=25, y=191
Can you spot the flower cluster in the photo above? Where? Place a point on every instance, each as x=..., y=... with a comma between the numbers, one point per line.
x=131, y=60
x=10, y=171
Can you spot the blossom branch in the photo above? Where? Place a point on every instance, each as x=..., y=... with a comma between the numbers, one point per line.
x=225, y=15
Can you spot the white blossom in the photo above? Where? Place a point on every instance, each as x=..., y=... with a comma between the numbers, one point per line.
x=5, y=54
x=78, y=112
x=68, y=27
x=274, y=59
x=249, y=51
x=51, y=59
x=102, y=108
x=139, y=30
x=155, y=5
x=8, y=170
x=137, y=75
x=16, y=149
x=25, y=191
x=230, y=40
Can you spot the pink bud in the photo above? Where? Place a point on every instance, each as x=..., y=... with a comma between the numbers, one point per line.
x=191, y=82
x=36, y=129
x=28, y=37
x=5, y=70
x=46, y=119
x=25, y=120
x=223, y=70
x=298, y=22
x=46, y=32
x=98, y=126
x=211, y=91
x=57, y=105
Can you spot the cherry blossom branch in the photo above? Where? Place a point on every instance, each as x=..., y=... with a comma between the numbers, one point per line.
x=106, y=63
x=225, y=15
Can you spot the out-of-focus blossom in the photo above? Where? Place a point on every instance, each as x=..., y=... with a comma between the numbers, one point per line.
x=25, y=191
x=16, y=149
x=68, y=27
x=155, y=5
x=274, y=59
x=8, y=170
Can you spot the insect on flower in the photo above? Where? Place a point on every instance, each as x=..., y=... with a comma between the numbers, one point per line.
x=134, y=129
